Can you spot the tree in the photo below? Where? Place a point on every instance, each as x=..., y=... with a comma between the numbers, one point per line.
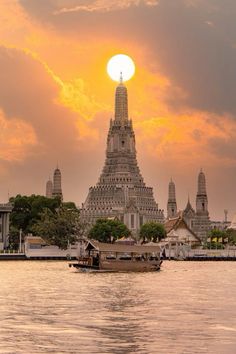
x=217, y=234
x=106, y=230
x=60, y=228
x=27, y=212
x=14, y=238
x=27, y=209
x=231, y=234
x=152, y=231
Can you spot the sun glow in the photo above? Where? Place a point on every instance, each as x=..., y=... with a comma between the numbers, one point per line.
x=118, y=64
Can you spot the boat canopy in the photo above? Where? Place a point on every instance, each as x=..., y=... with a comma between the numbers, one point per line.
x=119, y=248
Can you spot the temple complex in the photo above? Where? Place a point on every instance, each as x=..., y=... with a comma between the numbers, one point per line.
x=198, y=220
x=121, y=191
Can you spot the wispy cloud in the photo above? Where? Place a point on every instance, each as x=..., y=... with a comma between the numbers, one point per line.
x=105, y=5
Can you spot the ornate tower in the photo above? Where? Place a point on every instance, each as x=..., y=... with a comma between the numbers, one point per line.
x=202, y=222
x=49, y=188
x=201, y=199
x=171, y=204
x=189, y=215
x=57, y=190
x=121, y=191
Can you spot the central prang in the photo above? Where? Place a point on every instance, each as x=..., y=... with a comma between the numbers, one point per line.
x=121, y=192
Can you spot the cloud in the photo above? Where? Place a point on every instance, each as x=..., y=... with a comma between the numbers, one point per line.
x=191, y=138
x=181, y=100
x=17, y=139
x=197, y=57
x=105, y=5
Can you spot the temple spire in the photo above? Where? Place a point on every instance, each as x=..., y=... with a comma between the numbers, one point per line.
x=121, y=78
x=171, y=204
x=201, y=198
x=121, y=101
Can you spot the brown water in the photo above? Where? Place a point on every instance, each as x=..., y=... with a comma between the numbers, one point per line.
x=188, y=307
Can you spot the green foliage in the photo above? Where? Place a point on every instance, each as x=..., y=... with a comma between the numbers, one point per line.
x=59, y=228
x=216, y=233
x=152, y=231
x=26, y=210
x=14, y=238
x=69, y=205
x=231, y=234
x=106, y=230
x=213, y=246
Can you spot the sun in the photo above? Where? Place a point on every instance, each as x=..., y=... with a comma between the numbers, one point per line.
x=118, y=64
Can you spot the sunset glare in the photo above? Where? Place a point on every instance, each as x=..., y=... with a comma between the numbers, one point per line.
x=120, y=65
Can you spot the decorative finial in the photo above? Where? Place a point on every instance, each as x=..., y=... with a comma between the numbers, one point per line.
x=121, y=78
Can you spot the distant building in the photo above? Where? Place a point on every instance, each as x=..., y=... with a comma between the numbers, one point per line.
x=57, y=190
x=171, y=204
x=53, y=188
x=49, y=188
x=232, y=225
x=5, y=210
x=121, y=191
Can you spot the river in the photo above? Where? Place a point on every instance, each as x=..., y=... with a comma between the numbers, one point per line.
x=187, y=307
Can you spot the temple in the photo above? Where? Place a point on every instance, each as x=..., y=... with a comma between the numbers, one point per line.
x=120, y=191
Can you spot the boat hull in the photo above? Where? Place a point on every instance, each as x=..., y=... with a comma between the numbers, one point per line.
x=119, y=266
x=130, y=266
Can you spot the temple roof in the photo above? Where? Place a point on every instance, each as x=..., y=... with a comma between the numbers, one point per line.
x=173, y=224
x=188, y=208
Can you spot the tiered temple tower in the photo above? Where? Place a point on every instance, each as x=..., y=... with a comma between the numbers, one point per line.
x=202, y=220
x=171, y=204
x=49, y=188
x=57, y=190
x=121, y=191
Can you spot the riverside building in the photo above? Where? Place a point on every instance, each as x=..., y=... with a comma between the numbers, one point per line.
x=5, y=210
x=121, y=191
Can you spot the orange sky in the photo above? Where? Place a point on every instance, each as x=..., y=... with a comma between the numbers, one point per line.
x=56, y=97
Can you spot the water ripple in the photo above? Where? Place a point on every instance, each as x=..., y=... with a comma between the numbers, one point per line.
x=188, y=307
